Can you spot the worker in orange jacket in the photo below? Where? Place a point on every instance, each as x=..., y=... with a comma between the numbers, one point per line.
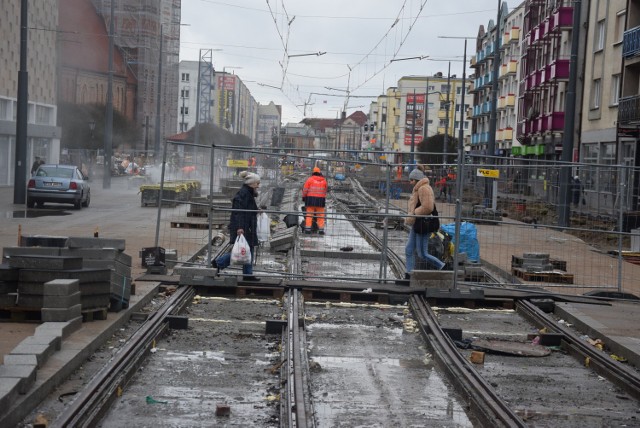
x=314, y=194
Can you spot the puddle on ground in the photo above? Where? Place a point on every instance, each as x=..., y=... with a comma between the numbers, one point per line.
x=33, y=213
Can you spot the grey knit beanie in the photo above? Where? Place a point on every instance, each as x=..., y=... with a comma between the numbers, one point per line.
x=416, y=174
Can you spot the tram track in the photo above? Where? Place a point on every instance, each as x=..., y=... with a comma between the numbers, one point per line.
x=311, y=398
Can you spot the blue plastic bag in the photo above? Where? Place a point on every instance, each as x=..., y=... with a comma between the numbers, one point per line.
x=468, y=239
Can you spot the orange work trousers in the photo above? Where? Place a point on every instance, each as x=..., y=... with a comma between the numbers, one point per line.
x=311, y=213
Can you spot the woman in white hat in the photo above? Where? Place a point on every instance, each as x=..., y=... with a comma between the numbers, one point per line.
x=244, y=221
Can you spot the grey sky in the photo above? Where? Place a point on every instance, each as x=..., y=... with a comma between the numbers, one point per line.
x=351, y=32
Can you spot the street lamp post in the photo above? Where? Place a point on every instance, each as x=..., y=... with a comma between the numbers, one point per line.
x=460, y=164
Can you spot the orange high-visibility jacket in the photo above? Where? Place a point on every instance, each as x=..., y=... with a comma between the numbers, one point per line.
x=314, y=191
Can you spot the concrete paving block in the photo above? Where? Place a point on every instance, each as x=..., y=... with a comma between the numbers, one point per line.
x=60, y=315
x=31, y=288
x=9, y=390
x=42, y=352
x=29, y=251
x=9, y=299
x=8, y=287
x=45, y=262
x=62, y=329
x=43, y=241
x=25, y=373
x=92, y=288
x=91, y=242
x=8, y=273
x=30, y=300
x=99, y=254
x=82, y=275
x=51, y=340
x=61, y=287
x=19, y=360
x=61, y=301
x=95, y=301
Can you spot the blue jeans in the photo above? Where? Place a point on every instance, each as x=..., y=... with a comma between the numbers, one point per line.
x=419, y=243
x=224, y=261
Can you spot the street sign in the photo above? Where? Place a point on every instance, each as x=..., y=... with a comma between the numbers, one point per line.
x=237, y=163
x=490, y=173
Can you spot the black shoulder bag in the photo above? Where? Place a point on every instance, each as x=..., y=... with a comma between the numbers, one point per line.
x=427, y=224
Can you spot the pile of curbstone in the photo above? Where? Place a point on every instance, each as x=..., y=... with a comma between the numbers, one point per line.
x=18, y=373
x=100, y=266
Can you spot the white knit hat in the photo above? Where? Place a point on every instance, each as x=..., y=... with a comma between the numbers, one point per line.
x=250, y=177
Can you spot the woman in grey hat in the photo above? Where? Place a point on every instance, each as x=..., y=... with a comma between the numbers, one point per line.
x=421, y=203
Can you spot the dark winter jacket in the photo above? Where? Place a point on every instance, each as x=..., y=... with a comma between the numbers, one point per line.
x=246, y=220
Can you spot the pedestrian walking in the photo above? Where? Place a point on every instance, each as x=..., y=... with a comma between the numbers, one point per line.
x=243, y=221
x=314, y=194
x=577, y=192
x=421, y=203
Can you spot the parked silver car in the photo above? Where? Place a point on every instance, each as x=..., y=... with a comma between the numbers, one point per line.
x=60, y=184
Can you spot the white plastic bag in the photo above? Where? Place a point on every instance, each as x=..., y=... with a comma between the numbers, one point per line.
x=264, y=225
x=240, y=253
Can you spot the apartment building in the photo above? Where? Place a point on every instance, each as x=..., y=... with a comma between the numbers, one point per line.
x=629, y=105
x=147, y=32
x=602, y=80
x=43, y=134
x=544, y=75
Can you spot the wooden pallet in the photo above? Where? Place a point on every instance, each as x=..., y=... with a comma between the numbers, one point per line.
x=94, y=314
x=20, y=314
x=557, y=277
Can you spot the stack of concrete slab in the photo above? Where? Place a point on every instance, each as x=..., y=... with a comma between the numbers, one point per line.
x=536, y=262
x=19, y=371
x=104, y=253
x=61, y=300
x=104, y=273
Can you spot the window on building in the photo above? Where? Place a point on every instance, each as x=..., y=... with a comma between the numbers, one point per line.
x=430, y=105
x=466, y=124
x=620, y=18
x=444, y=88
x=458, y=90
x=184, y=93
x=5, y=108
x=185, y=77
x=599, y=36
x=184, y=110
x=595, y=93
x=43, y=115
x=615, y=89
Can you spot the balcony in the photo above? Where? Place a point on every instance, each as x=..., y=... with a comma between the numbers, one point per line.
x=489, y=50
x=559, y=70
x=472, y=63
x=631, y=43
x=515, y=35
x=501, y=102
x=629, y=110
x=476, y=110
x=510, y=100
x=506, y=38
x=562, y=19
x=487, y=80
x=540, y=124
x=442, y=114
x=480, y=57
x=507, y=134
x=486, y=108
x=554, y=122
x=475, y=139
x=508, y=69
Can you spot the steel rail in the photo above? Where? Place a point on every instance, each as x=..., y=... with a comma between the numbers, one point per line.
x=93, y=401
x=483, y=400
x=617, y=373
x=298, y=400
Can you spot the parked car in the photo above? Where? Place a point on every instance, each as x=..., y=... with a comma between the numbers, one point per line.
x=60, y=184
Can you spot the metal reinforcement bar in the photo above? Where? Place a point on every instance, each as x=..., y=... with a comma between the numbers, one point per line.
x=300, y=411
x=94, y=400
x=484, y=402
x=619, y=374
